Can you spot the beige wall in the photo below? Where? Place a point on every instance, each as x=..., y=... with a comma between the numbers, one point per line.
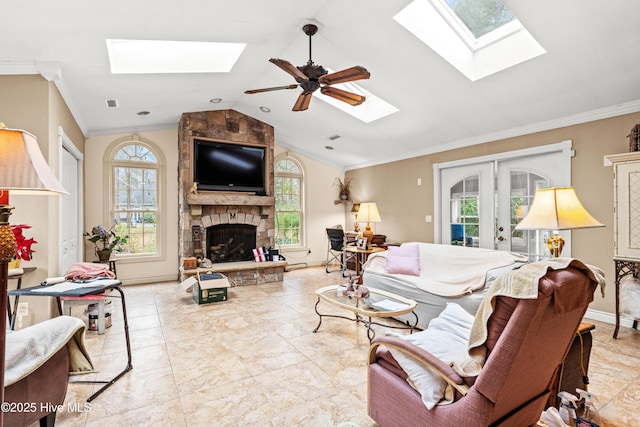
x=32, y=103
x=403, y=204
x=132, y=271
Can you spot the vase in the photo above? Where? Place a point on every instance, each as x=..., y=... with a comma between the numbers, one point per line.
x=104, y=254
x=14, y=263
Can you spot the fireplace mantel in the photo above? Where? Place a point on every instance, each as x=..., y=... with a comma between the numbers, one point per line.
x=229, y=199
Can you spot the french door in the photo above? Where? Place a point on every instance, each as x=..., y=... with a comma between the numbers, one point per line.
x=482, y=200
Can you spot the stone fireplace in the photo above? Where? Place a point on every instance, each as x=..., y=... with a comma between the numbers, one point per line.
x=225, y=226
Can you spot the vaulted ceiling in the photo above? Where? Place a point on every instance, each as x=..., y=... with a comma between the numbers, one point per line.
x=590, y=70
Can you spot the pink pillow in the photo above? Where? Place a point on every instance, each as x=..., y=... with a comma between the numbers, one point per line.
x=409, y=250
x=402, y=265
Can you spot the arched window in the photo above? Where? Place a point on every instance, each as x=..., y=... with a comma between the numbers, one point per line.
x=289, y=201
x=135, y=177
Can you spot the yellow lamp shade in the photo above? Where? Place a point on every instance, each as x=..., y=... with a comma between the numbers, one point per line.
x=557, y=209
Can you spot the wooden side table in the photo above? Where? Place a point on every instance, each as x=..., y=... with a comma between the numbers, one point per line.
x=361, y=257
x=624, y=267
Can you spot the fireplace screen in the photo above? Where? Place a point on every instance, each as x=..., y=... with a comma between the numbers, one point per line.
x=231, y=242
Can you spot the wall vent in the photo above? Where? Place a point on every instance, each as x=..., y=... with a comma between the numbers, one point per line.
x=112, y=103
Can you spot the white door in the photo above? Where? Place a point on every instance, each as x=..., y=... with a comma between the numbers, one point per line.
x=516, y=185
x=70, y=249
x=482, y=202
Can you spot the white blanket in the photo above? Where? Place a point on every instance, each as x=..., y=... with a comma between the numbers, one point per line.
x=520, y=284
x=29, y=348
x=448, y=270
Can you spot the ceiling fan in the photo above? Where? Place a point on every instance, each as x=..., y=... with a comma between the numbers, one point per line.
x=311, y=77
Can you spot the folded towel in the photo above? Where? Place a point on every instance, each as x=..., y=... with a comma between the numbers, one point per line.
x=88, y=270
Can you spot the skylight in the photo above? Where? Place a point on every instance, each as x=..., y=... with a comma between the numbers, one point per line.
x=373, y=108
x=162, y=56
x=481, y=16
x=478, y=37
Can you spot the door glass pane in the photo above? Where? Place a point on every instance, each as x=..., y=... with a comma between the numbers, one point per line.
x=523, y=189
x=465, y=213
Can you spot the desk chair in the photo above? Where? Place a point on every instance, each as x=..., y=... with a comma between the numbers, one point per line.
x=335, y=250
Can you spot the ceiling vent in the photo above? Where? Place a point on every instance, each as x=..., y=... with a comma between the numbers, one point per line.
x=112, y=103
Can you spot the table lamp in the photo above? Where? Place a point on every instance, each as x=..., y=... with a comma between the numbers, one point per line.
x=368, y=213
x=557, y=209
x=23, y=170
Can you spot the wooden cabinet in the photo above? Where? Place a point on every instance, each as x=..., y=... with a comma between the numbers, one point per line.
x=626, y=196
x=626, y=220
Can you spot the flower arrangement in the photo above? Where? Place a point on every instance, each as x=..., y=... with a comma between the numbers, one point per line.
x=107, y=238
x=23, y=249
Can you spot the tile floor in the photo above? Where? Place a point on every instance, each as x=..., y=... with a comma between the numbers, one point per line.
x=253, y=361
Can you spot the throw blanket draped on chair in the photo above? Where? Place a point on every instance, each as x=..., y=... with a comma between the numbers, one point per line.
x=29, y=348
x=521, y=284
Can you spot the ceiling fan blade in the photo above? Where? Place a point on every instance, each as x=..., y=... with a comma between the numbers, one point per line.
x=342, y=95
x=348, y=75
x=269, y=89
x=291, y=69
x=302, y=103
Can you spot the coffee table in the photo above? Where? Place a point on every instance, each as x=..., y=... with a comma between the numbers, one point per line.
x=383, y=304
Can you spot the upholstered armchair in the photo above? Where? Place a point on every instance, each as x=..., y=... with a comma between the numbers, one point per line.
x=526, y=340
x=38, y=362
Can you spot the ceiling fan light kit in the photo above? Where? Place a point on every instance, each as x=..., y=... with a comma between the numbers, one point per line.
x=311, y=77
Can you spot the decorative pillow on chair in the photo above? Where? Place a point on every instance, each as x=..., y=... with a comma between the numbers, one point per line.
x=446, y=338
x=403, y=259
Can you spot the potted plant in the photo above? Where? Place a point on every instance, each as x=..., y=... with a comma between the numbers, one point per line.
x=23, y=245
x=344, y=188
x=108, y=239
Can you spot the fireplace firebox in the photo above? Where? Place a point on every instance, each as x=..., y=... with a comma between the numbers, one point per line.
x=230, y=242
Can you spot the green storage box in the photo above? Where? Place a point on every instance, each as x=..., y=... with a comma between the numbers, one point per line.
x=211, y=287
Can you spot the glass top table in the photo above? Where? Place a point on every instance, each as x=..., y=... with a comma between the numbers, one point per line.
x=379, y=304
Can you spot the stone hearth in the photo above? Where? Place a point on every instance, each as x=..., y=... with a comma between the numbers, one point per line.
x=200, y=211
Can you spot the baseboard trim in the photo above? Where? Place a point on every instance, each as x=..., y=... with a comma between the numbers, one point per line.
x=151, y=279
x=603, y=316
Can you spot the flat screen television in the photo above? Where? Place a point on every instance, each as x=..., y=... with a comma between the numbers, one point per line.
x=220, y=166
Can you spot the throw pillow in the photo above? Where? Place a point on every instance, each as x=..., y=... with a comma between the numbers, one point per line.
x=407, y=250
x=403, y=259
x=402, y=265
x=447, y=338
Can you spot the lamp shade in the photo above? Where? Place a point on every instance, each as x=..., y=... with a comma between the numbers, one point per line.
x=23, y=169
x=557, y=209
x=368, y=212
x=355, y=208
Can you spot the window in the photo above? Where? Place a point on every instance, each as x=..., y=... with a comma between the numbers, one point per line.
x=481, y=16
x=288, y=193
x=135, y=176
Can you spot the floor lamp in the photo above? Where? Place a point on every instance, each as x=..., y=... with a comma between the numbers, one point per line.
x=557, y=209
x=23, y=170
